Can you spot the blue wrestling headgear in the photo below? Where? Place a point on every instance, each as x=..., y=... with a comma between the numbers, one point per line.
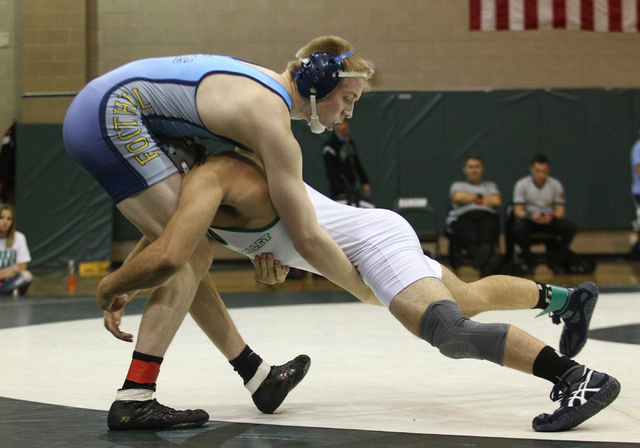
x=318, y=76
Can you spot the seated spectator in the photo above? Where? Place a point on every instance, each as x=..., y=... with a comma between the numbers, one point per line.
x=539, y=208
x=14, y=255
x=476, y=224
x=348, y=181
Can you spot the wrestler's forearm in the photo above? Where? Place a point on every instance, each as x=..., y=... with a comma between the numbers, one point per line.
x=146, y=270
x=371, y=299
x=151, y=264
x=140, y=246
x=329, y=259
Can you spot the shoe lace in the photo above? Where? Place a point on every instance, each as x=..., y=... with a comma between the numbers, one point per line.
x=157, y=411
x=559, y=390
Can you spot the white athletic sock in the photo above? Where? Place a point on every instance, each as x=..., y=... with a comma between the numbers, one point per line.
x=258, y=377
x=134, y=394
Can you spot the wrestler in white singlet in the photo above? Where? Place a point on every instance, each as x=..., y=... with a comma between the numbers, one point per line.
x=380, y=243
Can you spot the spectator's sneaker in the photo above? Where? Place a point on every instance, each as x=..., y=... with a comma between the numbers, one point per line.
x=280, y=381
x=576, y=316
x=582, y=393
x=150, y=414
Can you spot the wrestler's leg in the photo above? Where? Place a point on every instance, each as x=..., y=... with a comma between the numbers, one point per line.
x=268, y=385
x=150, y=210
x=139, y=247
x=497, y=292
x=211, y=315
x=572, y=306
x=166, y=308
x=427, y=309
x=169, y=303
x=409, y=307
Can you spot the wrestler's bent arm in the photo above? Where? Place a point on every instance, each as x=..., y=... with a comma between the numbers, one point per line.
x=283, y=165
x=200, y=198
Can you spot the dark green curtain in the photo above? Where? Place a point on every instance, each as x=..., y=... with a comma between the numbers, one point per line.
x=62, y=211
x=414, y=143
x=411, y=144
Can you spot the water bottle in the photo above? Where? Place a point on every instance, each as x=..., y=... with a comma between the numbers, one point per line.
x=71, y=277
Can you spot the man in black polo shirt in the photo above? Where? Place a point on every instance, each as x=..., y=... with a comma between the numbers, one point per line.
x=348, y=181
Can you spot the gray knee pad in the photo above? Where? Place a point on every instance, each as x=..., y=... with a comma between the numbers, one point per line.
x=444, y=327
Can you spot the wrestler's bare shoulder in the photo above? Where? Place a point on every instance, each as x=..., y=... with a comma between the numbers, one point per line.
x=229, y=161
x=246, y=202
x=221, y=92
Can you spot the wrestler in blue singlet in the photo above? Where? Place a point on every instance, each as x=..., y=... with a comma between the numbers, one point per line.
x=112, y=127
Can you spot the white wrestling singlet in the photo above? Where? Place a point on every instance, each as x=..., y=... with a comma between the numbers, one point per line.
x=380, y=243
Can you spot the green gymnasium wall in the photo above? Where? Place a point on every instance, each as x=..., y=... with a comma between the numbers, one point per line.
x=415, y=144
x=62, y=211
x=411, y=144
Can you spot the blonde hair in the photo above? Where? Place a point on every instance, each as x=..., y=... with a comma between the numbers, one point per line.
x=336, y=46
x=11, y=233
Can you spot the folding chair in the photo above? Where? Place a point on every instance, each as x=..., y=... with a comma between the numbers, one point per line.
x=422, y=218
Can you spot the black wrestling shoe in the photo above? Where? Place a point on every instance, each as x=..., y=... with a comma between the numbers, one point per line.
x=280, y=381
x=576, y=316
x=150, y=414
x=582, y=393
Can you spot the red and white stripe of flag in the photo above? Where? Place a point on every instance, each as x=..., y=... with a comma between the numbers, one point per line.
x=589, y=15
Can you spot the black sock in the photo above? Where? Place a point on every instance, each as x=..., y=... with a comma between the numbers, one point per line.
x=552, y=299
x=551, y=366
x=246, y=364
x=129, y=384
x=147, y=358
x=545, y=296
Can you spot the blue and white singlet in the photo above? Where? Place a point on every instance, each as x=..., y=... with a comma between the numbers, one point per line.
x=111, y=128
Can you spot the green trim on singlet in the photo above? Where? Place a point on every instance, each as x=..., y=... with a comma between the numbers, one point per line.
x=237, y=229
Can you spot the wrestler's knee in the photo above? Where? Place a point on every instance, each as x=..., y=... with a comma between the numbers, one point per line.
x=444, y=327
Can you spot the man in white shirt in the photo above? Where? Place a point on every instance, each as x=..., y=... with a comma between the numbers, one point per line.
x=539, y=207
x=475, y=204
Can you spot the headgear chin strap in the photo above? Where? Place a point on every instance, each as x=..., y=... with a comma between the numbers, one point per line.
x=314, y=124
x=319, y=76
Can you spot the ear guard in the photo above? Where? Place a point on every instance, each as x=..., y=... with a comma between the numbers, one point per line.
x=318, y=76
x=321, y=73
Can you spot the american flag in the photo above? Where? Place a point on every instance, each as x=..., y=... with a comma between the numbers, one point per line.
x=588, y=15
